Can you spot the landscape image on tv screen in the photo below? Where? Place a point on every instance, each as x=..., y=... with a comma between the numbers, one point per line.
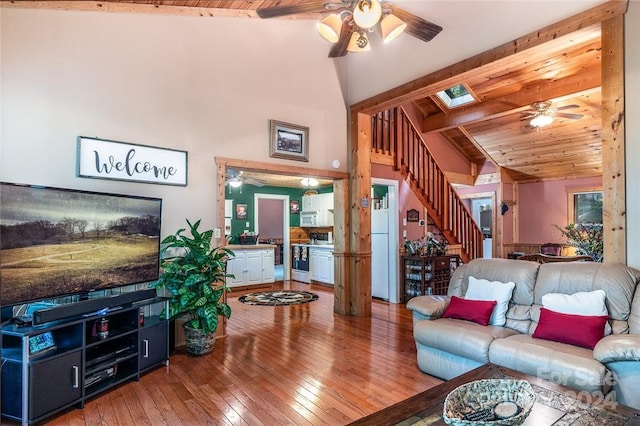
x=56, y=242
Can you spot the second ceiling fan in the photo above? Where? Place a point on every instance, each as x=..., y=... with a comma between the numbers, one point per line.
x=541, y=113
x=350, y=21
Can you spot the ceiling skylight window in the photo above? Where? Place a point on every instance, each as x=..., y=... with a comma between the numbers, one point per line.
x=456, y=96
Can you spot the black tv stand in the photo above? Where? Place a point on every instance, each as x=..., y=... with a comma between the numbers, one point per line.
x=84, y=360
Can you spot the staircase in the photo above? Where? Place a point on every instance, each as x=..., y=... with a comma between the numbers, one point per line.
x=396, y=141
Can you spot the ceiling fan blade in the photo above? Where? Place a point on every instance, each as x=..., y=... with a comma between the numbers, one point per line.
x=254, y=182
x=292, y=9
x=339, y=48
x=567, y=115
x=567, y=107
x=416, y=26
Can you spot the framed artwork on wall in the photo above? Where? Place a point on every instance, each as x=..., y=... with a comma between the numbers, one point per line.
x=289, y=141
x=413, y=215
x=241, y=211
x=295, y=207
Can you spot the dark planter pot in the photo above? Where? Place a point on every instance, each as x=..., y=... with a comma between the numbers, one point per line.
x=198, y=343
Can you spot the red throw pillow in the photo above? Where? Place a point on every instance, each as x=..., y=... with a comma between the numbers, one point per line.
x=471, y=310
x=577, y=330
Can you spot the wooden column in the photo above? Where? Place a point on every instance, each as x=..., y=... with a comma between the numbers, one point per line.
x=354, y=295
x=341, y=289
x=613, y=141
x=221, y=242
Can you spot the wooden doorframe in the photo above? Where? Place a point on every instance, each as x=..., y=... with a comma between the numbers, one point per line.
x=263, y=167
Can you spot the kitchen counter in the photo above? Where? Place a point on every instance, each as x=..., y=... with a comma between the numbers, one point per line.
x=315, y=246
x=250, y=246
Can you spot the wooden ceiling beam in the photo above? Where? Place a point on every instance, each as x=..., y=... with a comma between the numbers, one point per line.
x=240, y=9
x=555, y=90
x=583, y=24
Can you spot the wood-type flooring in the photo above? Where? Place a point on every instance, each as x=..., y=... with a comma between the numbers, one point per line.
x=284, y=365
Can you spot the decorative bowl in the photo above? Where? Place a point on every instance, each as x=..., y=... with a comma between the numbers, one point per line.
x=466, y=404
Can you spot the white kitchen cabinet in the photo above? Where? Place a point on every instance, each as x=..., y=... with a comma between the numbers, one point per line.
x=310, y=203
x=313, y=203
x=313, y=264
x=317, y=210
x=321, y=264
x=326, y=201
x=251, y=267
x=268, y=266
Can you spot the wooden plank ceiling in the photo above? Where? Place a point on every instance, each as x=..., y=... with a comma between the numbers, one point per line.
x=566, y=71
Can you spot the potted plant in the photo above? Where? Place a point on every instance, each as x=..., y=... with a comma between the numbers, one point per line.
x=586, y=238
x=196, y=281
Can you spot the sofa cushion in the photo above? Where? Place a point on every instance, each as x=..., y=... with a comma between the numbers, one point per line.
x=618, y=282
x=579, y=330
x=478, y=311
x=580, y=303
x=523, y=274
x=481, y=289
x=568, y=365
x=458, y=337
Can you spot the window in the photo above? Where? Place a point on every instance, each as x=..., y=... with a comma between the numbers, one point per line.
x=585, y=206
x=456, y=96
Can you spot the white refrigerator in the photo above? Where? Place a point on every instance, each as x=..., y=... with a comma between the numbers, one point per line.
x=380, y=253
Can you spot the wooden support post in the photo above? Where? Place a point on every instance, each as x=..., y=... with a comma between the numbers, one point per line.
x=613, y=141
x=357, y=269
x=341, y=288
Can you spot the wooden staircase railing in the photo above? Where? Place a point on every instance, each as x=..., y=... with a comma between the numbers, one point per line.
x=395, y=136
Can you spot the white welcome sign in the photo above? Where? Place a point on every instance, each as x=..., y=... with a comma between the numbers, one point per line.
x=105, y=159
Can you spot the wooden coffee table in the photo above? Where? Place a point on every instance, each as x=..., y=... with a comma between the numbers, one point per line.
x=554, y=403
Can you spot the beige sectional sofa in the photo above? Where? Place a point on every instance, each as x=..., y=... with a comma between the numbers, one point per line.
x=448, y=347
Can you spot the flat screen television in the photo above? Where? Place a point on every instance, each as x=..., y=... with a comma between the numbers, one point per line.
x=57, y=242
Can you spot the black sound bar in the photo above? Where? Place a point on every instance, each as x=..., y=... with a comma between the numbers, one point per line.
x=91, y=305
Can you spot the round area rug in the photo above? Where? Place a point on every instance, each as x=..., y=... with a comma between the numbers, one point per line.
x=278, y=298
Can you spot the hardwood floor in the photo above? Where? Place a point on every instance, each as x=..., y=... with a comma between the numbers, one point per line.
x=290, y=365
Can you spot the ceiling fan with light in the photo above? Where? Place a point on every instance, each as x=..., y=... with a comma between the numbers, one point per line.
x=350, y=21
x=235, y=179
x=541, y=114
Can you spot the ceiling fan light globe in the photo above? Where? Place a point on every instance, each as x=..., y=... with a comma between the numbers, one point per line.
x=330, y=28
x=391, y=27
x=541, y=120
x=359, y=42
x=235, y=182
x=367, y=13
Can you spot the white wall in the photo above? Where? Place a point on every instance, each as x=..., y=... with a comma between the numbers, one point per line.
x=632, y=128
x=205, y=85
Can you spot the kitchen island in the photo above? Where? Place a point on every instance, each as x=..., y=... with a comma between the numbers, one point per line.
x=252, y=265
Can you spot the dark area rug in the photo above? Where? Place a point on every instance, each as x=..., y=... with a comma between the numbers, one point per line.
x=278, y=298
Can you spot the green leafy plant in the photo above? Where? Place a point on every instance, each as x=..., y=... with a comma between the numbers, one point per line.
x=586, y=238
x=196, y=279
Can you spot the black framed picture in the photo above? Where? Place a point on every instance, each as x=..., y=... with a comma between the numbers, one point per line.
x=413, y=215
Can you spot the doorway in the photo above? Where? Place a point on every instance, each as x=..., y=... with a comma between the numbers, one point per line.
x=482, y=212
x=271, y=218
